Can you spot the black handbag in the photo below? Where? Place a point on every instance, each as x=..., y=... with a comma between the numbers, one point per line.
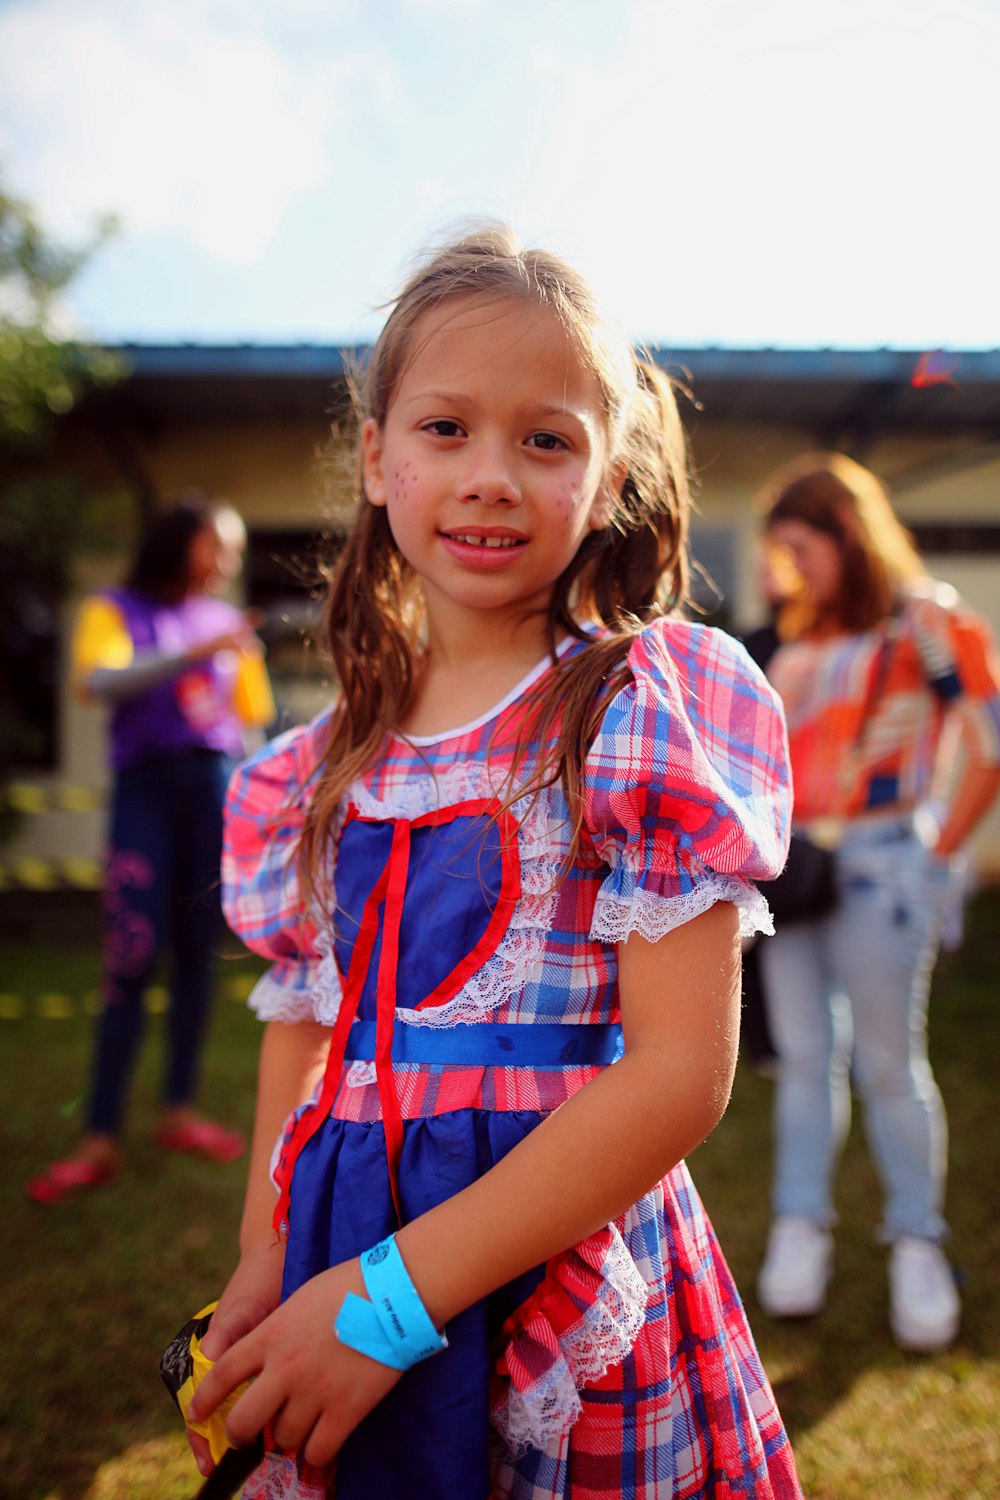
x=806, y=889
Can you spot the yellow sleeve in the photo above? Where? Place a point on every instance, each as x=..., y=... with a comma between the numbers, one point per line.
x=100, y=639
x=252, y=696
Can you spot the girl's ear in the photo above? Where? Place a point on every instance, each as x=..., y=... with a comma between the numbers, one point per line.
x=607, y=497
x=372, y=472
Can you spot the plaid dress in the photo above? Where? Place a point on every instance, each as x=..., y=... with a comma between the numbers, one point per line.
x=470, y=992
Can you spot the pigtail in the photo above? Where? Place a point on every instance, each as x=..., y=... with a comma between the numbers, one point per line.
x=633, y=571
x=369, y=624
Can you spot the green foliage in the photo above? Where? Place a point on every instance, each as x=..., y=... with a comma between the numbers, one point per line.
x=42, y=374
x=46, y=515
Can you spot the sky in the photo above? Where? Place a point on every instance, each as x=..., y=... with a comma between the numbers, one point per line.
x=783, y=172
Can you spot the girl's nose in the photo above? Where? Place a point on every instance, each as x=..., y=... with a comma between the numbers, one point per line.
x=490, y=477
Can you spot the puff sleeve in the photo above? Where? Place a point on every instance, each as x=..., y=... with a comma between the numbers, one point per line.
x=261, y=893
x=688, y=793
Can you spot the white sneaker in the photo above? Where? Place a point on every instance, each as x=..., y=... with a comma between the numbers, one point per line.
x=796, y=1270
x=924, y=1309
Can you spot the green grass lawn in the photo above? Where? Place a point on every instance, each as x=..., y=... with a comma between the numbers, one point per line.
x=95, y=1289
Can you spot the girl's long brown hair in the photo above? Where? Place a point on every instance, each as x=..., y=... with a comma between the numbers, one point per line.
x=840, y=497
x=620, y=577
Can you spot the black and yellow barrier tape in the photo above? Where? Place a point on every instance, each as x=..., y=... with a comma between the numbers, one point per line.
x=30, y=797
x=55, y=1005
x=33, y=872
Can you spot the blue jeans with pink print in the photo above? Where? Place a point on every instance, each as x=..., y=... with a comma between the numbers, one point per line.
x=162, y=889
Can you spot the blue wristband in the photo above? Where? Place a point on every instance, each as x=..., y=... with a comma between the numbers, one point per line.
x=358, y=1327
x=394, y=1327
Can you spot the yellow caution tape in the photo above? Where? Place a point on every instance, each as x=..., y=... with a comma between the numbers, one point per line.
x=26, y=798
x=157, y=1000
x=78, y=798
x=83, y=873
x=238, y=986
x=29, y=797
x=36, y=874
x=55, y=1007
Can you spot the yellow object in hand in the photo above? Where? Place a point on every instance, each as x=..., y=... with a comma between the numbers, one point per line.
x=213, y=1429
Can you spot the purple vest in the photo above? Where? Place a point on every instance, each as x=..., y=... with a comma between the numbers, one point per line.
x=192, y=711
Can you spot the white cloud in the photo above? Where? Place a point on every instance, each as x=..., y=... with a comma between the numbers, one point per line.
x=720, y=170
x=176, y=117
x=736, y=168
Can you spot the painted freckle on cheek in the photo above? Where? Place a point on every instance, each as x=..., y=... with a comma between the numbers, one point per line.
x=567, y=499
x=401, y=480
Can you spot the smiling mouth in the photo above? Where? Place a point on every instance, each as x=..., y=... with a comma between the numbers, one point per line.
x=476, y=539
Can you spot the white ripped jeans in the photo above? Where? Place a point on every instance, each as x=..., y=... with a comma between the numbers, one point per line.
x=847, y=997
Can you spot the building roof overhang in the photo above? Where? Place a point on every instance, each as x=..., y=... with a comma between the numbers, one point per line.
x=840, y=397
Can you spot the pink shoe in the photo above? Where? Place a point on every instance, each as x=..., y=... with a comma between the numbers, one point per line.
x=205, y=1138
x=66, y=1179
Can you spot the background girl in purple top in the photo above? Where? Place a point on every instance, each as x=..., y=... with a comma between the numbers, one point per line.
x=182, y=672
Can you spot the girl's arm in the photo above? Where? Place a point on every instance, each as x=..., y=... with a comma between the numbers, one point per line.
x=292, y=1059
x=579, y=1169
x=971, y=800
x=972, y=720
x=147, y=668
x=613, y=1140
x=106, y=667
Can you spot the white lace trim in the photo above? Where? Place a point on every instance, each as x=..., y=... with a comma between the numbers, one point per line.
x=270, y=1000
x=522, y=946
x=542, y=836
x=278, y=1478
x=603, y=1337
x=327, y=991
x=652, y=916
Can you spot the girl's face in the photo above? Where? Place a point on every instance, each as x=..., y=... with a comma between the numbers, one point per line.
x=216, y=552
x=492, y=461
x=816, y=556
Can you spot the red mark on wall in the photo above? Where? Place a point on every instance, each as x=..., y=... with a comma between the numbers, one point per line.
x=934, y=368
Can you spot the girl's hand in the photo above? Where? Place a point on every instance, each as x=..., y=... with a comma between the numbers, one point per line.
x=240, y=639
x=252, y=1293
x=312, y=1389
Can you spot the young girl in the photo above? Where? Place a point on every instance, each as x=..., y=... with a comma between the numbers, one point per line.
x=182, y=673
x=520, y=842
x=879, y=667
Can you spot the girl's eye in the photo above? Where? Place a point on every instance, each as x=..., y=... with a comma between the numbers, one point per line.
x=548, y=442
x=443, y=427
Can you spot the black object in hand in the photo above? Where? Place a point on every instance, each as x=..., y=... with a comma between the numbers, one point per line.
x=176, y=1367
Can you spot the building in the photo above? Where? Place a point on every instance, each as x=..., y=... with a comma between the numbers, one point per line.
x=254, y=423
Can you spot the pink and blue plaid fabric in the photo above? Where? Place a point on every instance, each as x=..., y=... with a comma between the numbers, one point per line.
x=688, y=1413
x=687, y=803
